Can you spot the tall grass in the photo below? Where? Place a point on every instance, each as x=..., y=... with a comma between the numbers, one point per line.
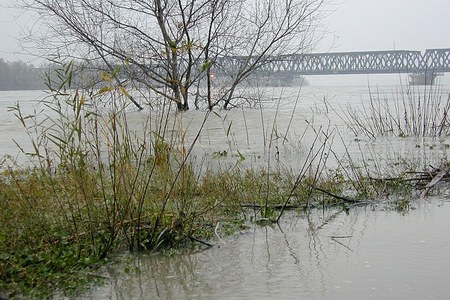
x=406, y=131
x=95, y=186
x=409, y=111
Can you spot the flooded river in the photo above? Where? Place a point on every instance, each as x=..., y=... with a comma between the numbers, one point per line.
x=370, y=252
x=367, y=253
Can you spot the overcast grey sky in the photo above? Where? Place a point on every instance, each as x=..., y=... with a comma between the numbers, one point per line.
x=354, y=25
x=385, y=24
x=11, y=23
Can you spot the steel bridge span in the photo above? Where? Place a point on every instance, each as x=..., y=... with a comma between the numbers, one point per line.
x=432, y=61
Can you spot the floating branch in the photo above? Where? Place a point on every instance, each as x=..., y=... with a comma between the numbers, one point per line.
x=345, y=199
x=436, y=179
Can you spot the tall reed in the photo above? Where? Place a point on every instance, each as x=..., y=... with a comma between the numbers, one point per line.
x=408, y=111
x=93, y=184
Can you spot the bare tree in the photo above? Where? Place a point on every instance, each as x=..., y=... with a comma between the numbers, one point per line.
x=178, y=48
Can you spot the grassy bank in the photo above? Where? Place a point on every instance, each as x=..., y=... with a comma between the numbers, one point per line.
x=59, y=224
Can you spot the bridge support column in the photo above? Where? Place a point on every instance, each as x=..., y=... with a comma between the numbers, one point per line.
x=426, y=78
x=285, y=80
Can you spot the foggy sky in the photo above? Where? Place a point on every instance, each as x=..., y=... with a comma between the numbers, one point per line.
x=11, y=23
x=384, y=24
x=352, y=25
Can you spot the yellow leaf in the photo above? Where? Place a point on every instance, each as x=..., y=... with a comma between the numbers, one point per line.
x=105, y=90
x=105, y=77
x=124, y=91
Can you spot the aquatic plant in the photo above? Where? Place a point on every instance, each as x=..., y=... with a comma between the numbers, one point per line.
x=409, y=111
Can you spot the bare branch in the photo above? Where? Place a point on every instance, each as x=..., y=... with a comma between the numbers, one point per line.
x=170, y=46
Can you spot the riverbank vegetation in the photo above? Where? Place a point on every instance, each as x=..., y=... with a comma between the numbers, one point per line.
x=96, y=186
x=412, y=111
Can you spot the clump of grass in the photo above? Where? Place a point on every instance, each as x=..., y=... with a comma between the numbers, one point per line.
x=93, y=186
x=407, y=112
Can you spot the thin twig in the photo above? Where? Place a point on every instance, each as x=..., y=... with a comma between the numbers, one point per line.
x=342, y=244
x=436, y=179
x=201, y=241
x=346, y=199
x=274, y=206
x=218, y=236
x=333, y=216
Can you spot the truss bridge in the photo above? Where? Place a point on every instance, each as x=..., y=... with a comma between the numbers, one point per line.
x=428, y=64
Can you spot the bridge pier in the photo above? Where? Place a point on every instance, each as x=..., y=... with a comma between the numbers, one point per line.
x=425, y=78
x=270, y=79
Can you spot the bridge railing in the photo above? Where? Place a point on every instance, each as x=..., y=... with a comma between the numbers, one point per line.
x=437, y=60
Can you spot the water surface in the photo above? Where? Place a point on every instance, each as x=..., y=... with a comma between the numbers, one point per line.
x=369, y=252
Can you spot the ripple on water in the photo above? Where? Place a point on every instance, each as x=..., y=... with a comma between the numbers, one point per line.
x=379, y=255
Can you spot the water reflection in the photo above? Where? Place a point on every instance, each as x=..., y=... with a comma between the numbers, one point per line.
x=365, y=253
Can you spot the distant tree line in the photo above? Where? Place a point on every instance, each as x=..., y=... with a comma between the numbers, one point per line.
x=19, y=75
